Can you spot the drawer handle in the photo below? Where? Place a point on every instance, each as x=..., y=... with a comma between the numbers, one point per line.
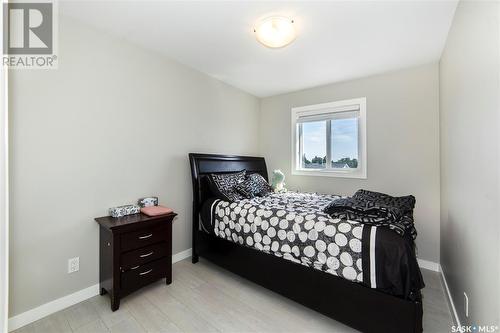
x=146, y=255
x=144, y=237
x=146, y=272
x=135, y=267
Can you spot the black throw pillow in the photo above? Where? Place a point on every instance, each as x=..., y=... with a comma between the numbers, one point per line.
x=254, y=185
x=223, y=185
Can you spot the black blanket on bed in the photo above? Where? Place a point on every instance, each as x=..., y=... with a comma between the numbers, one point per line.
x=377, y=209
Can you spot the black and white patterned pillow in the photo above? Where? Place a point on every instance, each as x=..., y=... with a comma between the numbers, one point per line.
x=223, y=184
x=248, y=188
x=254, y=185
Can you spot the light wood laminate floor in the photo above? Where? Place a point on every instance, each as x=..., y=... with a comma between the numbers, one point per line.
x=206, y=298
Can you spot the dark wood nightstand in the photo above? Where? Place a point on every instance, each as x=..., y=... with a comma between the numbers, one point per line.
x=134, y=251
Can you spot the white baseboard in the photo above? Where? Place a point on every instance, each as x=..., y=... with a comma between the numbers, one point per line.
x=429, y=265
x=182, y=255
x=450, y=299
x=49, y=308
x=437, y=268
x=64, y=302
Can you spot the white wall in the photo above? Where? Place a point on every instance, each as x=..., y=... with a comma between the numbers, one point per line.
x=470, y=196
x=402, y=141
x=114, y=123
x=4, y=197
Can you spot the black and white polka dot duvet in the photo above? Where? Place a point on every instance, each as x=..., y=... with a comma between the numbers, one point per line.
x=293, y=226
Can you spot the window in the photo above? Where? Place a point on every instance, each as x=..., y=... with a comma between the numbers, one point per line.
x=330, y=139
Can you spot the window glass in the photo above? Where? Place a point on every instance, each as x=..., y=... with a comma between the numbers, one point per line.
x=344, y=143
x=314, y=145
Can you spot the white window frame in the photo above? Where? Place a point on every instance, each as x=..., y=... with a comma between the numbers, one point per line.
x=318, y=110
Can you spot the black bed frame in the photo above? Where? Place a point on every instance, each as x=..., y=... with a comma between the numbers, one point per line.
x=353, y=304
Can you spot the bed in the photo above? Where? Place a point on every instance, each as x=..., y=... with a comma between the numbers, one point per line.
x=342, y=289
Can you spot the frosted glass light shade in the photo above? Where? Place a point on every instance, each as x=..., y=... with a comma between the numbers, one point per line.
x=275, y=31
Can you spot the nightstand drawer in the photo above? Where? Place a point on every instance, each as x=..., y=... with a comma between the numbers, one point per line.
x=144, y=237
x=143, y=255
x=143, y=275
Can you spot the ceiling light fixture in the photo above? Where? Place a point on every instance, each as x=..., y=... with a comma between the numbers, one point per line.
x=275, y=31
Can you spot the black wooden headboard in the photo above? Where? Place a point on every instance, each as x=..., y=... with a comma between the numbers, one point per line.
x=204, y=164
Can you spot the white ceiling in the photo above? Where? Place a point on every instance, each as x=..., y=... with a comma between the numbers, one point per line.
x=337, y=40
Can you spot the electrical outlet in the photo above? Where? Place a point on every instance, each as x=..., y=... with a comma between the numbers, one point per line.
x=73, y=265
x=466, y=304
